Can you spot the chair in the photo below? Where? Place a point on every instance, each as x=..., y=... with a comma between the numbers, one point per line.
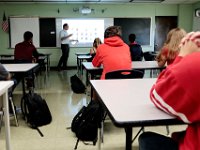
x=12, y=109
x=122, y=74
x=149, y=56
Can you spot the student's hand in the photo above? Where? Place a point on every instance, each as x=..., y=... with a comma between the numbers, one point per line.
x=161, y=60
x=34, y=60
x=189, y=47
x=186, y=39
x=193, y=36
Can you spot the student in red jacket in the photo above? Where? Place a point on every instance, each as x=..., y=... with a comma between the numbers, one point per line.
x=25, y=52
x=114, y=54
x=177, y=92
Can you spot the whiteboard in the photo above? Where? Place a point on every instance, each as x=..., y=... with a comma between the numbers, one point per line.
x=20, y=25
x=85, y=30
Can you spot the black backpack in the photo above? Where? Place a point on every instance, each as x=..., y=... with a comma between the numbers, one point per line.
x=35, y=111
x=77, y=85
x=86, y=122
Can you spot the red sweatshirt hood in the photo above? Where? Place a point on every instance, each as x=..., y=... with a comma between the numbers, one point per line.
x=114, y=41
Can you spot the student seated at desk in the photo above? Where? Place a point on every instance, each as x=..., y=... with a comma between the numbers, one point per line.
x=177, y=92
x=113, y=54
x=170, y=49
x=93, y=50
x=25, y=52
x=135, y=48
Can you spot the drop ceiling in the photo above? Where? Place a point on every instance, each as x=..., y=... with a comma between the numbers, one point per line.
x=104, y=1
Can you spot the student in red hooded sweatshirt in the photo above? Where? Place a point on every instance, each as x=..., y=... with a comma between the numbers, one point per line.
x=113, y=54
x=177, y=92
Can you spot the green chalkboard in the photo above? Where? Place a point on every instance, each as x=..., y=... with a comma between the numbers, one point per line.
x=141, y=27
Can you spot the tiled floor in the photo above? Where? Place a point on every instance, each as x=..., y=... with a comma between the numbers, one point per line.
x=63, y=104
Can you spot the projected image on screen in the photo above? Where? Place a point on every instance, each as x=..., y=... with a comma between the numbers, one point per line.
x=85, y=30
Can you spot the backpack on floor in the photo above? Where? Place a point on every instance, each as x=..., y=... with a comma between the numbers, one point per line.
x=35, y=111
x=86, y=122
x=77, y=85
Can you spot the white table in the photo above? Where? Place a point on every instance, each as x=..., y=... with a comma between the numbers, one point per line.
x=80, y=60
x=135, y=65
x=9, y=58
x=128, y=104
x=80, y=56
x=20, y=68
x=25, y=67
x=146, y=65
x=4, y=85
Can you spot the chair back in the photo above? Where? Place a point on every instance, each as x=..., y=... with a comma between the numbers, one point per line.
x=124, y=74
x=149, y=56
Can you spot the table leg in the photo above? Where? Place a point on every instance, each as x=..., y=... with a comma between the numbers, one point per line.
x=77, y=65
x=48, y=63
x=81, y=66
x=128, y=131
x=87, y=78
x=7, y=121
x=23, y=86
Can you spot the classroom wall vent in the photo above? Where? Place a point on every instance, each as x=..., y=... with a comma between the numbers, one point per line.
x=85, y=10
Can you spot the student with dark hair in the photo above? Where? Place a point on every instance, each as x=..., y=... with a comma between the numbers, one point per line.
x=25, y=52
x=135, y=49
x=113, y=54
x=64, y=39
x=177, y=93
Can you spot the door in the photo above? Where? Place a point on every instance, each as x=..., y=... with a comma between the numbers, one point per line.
x=163, y=25
x=47, y=32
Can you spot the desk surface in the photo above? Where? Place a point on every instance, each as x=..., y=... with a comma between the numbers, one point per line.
x=84, y=56
x=128, y=102
x=20, y=67
x=82, y=53
x=10, y=55
x=135, y=65
x=4, y=85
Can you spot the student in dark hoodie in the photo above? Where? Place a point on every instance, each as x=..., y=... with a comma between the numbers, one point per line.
x=135, y=48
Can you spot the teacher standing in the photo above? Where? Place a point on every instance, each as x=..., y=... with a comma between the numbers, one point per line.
x=64, y=39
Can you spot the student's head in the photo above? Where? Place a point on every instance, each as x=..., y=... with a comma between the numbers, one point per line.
x=113, y=31
x=174, y=38
x=65, y=26
x=28, y=36
x=132, y=38
x=96, y=42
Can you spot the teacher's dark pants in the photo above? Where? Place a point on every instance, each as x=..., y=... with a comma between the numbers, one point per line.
x=65, y=54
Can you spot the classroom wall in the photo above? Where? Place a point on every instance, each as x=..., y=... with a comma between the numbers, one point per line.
x=184, y=13
x=196, y=21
